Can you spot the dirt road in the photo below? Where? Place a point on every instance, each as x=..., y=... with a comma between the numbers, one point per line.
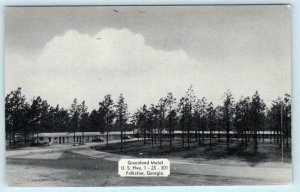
x=82, y=166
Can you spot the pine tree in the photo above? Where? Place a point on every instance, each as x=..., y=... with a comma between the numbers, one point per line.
x=121, y=117
x=257, y=116
x=106, y=111
x=227, y=112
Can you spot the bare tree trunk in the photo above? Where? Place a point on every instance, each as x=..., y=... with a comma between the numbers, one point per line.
x=203, y=125
x=10, y=138
x=274, y=130
x=14, y=137
x=121, y=140
x=277, y=135
x=246, y=138
x=145, y=136
x=74, y=137
x=25, y=138
x=188, y=132
x=210, y=133
x=82, y=137
x=155, y=134
x=263, y=134
x=242, y=136
x=188, y=138
x=152, y=138
x=255, y=140
x=182, y=135
x=227, y=134
x=287, y=133
x=37, y=137
x=160, y=136
x=219, y=135
x=124, y=140
x=106, y=136
x=170, y=131
x=286, y=129
x=199, y=135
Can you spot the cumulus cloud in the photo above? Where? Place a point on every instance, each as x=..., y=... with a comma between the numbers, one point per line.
x=111, y=62
x=116, y=61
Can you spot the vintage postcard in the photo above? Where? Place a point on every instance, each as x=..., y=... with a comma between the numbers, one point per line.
x=148, y=95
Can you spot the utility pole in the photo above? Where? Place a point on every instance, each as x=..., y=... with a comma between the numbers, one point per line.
x=281, y=136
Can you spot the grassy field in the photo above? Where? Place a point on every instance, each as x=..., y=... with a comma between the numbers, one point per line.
x=267, y=151
x=96, y=165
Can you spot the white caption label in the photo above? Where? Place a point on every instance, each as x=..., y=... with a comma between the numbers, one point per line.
x=144, y=167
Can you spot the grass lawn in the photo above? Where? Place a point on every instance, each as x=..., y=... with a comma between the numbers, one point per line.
x=198, y=165
x=267, y=151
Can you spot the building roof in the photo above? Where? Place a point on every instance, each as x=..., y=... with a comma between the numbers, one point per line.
x=230, y=132
x=69, y=134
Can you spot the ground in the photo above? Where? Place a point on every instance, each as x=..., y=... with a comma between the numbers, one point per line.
x=95, y=165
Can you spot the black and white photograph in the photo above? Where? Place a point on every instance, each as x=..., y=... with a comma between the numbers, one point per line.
x=165, y=95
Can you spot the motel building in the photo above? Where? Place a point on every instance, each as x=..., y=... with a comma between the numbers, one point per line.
x=68, y=137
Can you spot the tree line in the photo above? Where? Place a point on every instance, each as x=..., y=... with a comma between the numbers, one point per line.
x=157, y=122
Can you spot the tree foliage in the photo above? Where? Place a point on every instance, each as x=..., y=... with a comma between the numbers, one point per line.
x=194, y=117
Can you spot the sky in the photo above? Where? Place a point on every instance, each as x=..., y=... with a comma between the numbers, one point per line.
x=144, y=52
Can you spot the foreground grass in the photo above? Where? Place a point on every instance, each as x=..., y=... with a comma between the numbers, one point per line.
x=267, y=151
x=197, y=165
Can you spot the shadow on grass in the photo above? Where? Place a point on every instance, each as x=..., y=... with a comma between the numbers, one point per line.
x=238, y=151
x=201, y=152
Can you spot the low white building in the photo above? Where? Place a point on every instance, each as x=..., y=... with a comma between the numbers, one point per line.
x=78, y=137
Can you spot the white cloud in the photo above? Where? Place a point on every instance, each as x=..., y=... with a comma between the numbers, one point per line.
x=118, y=61
x=113, y=61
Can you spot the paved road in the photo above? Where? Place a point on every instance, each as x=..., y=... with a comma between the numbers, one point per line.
x=29, y=151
